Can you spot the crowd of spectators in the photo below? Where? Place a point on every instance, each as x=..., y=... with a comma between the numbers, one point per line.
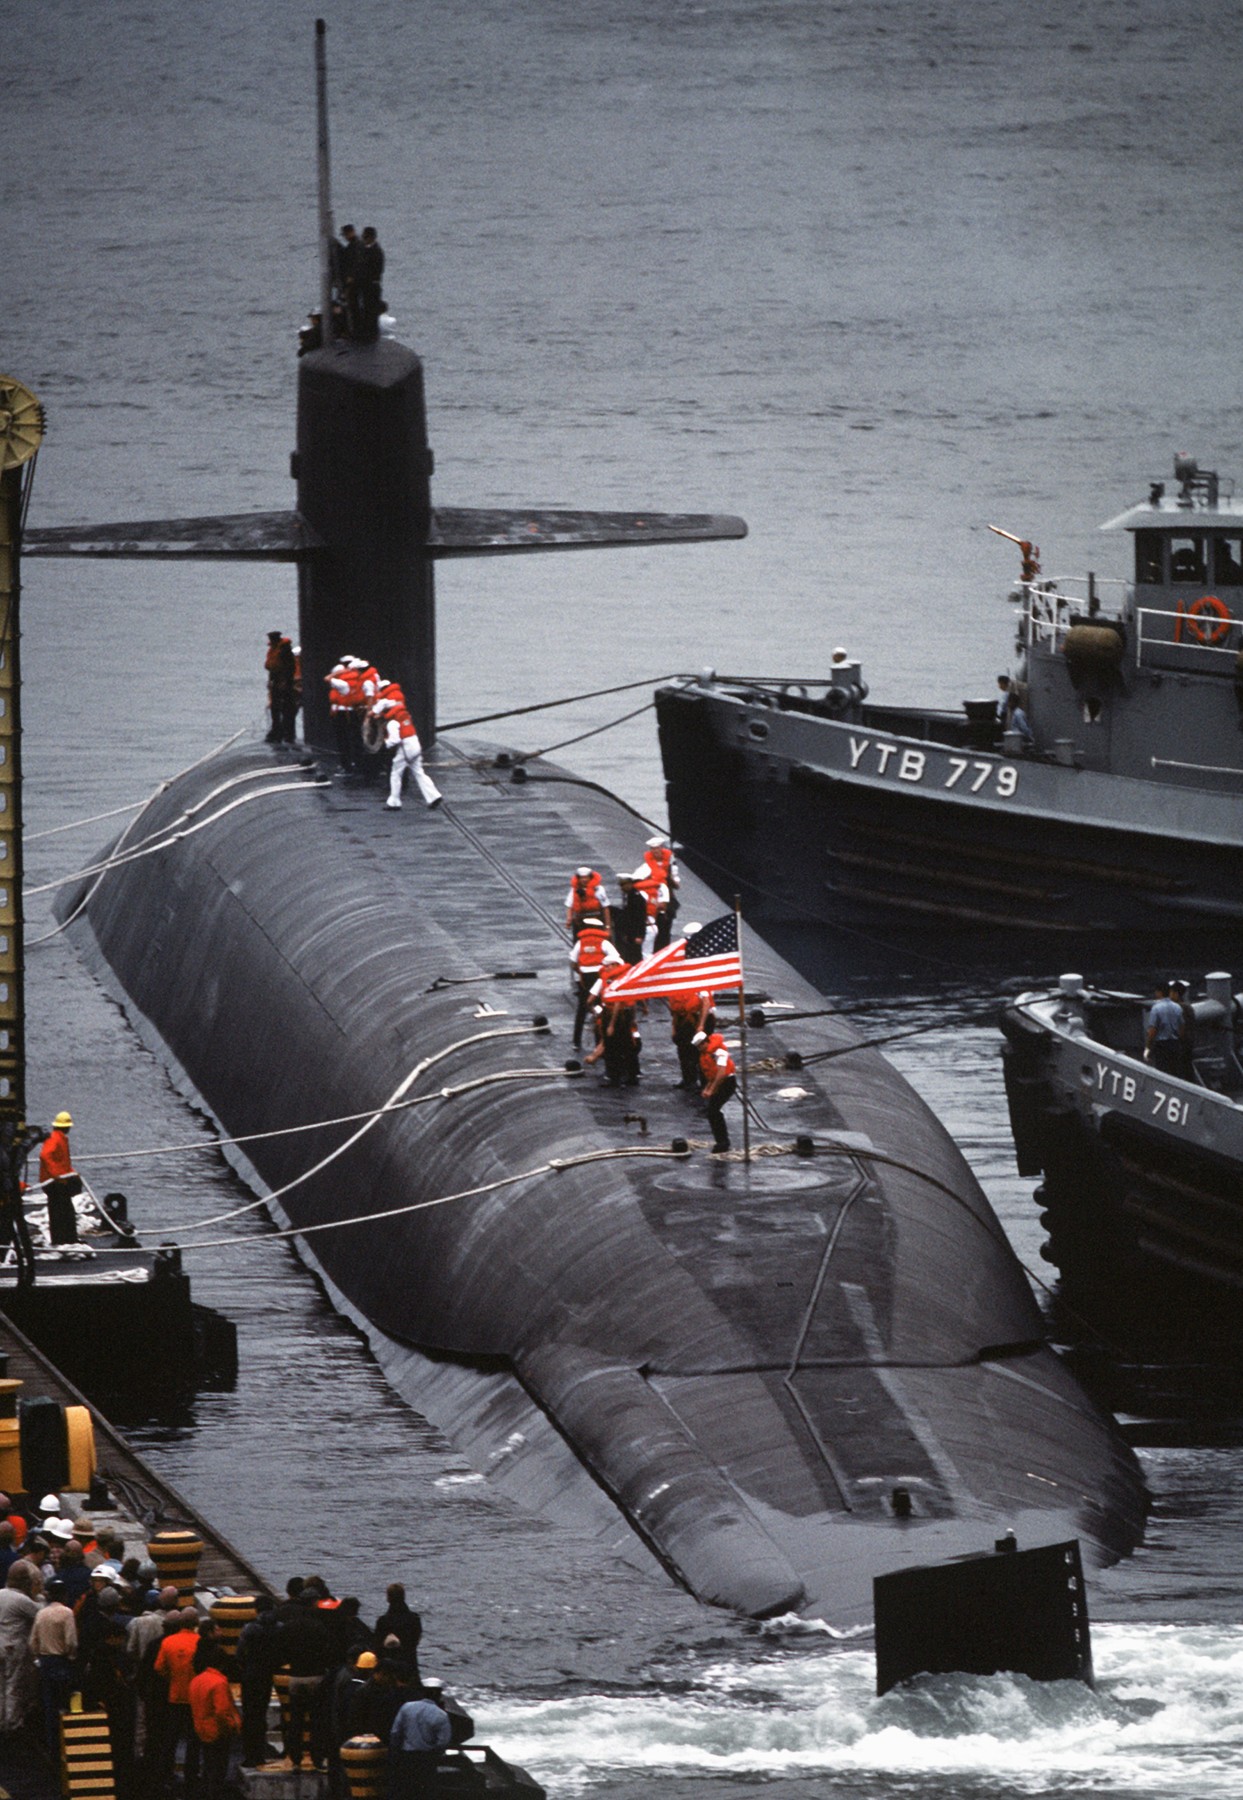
x=80, y=1614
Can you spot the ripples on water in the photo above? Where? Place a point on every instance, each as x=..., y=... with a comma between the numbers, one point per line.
x=1151, y=1726
x=873, y=275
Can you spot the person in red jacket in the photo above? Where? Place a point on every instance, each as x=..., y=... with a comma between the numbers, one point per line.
x=217, y=1722
x=61, y=1181
x=174, y=1667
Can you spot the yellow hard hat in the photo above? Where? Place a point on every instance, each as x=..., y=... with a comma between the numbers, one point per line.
x=62, y=1121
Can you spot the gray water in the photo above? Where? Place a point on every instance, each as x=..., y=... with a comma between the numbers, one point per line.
x=874, y=276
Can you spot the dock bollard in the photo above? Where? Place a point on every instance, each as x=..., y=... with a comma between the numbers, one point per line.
x=176, y=1557
x=363, y=1759
x=86, y=1769
x=231, y=1612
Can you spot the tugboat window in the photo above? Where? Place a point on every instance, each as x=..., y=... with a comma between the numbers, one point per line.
x=1228, y=562
x=1148, y=556
x=1187, y=560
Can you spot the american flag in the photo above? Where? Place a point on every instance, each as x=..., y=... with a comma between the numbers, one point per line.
x=709, y=959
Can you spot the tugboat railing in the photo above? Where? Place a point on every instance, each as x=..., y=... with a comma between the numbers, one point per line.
x=1175, y=629
x=1205, y=639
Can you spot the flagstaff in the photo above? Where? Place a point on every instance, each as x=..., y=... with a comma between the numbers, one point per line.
x=742, y=1024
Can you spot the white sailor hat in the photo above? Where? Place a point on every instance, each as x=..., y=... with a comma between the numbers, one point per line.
x=657, y=843
x=583, y=871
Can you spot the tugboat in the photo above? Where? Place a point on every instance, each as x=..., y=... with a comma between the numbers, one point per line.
x=1099, y=795
x=1143, y=1170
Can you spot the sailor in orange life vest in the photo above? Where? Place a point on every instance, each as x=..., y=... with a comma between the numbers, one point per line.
x=586, y=897
x=655, y=891
x=618, y=1034
x=402, y=739
x=351, y=690
x=590, y=955
x=282, y=671
x=716, y=1066
x=658, y=858
x=60, y=1180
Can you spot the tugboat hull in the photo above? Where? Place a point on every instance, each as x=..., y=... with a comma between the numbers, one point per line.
x=1143, y=1171
x=876, y=827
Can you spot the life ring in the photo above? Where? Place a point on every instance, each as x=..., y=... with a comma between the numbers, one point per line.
x=373, y=735
x=1213, y=634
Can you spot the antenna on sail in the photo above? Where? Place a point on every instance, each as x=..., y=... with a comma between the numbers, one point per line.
x=326, y=233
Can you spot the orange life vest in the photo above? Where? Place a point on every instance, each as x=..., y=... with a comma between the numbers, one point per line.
x=591, y=942
x=583, y=894
x=398, y=716
x=708, y=1064
x=660, y=862
x=651, y=886
x=345, y=689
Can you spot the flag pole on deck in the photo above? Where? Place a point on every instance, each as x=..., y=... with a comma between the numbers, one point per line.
x=742, y=1021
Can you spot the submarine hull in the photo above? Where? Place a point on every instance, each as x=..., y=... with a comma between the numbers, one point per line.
x=746, y=1361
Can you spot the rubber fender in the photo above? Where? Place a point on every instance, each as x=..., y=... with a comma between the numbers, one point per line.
x=80, y=1443
x=1093, y=647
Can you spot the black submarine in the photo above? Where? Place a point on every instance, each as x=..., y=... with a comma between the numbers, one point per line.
x=784, y=1372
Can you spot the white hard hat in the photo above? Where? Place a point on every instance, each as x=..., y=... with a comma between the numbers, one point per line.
x=60, y=1528
x=50, y=1503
